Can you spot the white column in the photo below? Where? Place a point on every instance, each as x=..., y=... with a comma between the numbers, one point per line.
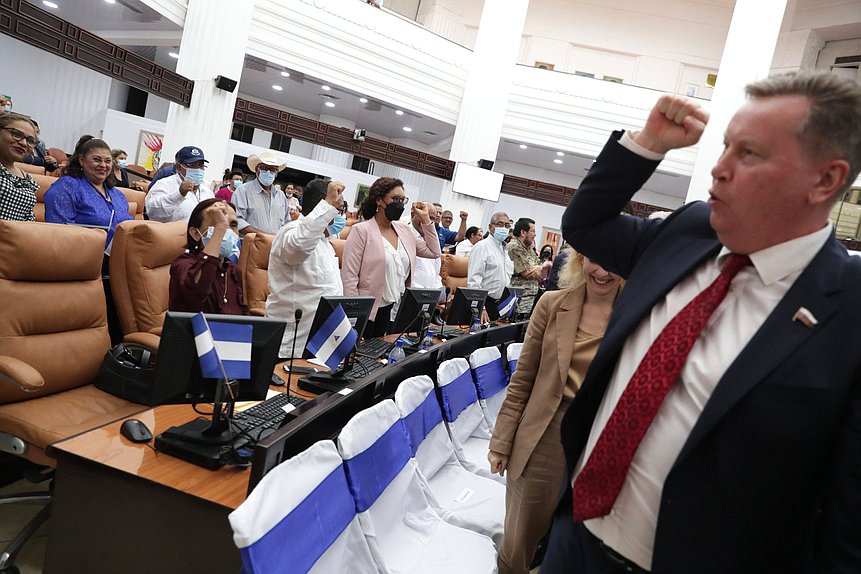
x=482, y=110
x=329, y=155
x=213, y=44
x=746, y=58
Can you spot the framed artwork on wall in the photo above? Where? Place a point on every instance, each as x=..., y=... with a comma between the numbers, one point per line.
x=149, y=150
x=544, y=65
x=552, y=237
x=361, y=194
x=691, y=90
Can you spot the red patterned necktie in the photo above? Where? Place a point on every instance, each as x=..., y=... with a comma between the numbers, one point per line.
x=598, y=484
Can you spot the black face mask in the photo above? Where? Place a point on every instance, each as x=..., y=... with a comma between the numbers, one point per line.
x=394, y=211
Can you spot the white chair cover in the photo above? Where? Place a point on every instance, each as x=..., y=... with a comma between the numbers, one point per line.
x=512, y=353
x=462, y=498
x=302, y=518
x=403, y=531
x=468, y=428
x=491, y=381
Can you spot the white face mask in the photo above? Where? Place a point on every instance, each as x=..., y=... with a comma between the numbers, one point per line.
x=266, y=178
x=122, y=163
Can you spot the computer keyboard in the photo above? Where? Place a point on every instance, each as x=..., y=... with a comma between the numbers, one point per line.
x=448, y=332
x=267, y=415
x=362, y=367
x=373, y=348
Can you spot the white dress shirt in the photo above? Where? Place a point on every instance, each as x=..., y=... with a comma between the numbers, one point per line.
x=397, y=270
x=303, y=267
x=464, y=248
x=490, y=267
x=426, y=274
x=165, y=203
x=753, y=294
x=268, y=212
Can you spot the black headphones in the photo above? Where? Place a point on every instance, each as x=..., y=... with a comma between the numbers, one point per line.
x=133, y=356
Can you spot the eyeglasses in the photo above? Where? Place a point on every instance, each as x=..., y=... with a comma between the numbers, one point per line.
x=100, y=160
x=398, y=199
x=270, y=169
x=18, y=135
x=505, y=225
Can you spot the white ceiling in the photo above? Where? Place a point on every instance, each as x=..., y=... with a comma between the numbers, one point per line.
x=97, y=15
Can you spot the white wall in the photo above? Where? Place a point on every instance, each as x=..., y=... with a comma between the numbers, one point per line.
x=66, y=99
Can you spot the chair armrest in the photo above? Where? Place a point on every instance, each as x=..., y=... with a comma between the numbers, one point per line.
x=148, y=340
x=257, y=312
x=20, y=374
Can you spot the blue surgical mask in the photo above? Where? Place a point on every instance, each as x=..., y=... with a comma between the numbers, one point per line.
x=266, y=178
x=7, y=108
x=337, y=225
x=229, y=243
x=500, y=234
x=194, y=175
x=122, y=163
x=235, y=183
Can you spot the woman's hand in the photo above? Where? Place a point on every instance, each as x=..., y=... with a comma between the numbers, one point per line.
x=498, y=462
x=421, y=209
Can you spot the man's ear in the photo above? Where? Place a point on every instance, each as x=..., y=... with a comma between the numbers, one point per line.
x=831, y=179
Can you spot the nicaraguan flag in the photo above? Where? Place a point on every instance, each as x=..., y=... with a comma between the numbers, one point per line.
x=334, y=339
x=507, y=306
x=226, y=345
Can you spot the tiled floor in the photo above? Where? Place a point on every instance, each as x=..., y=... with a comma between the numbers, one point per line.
x=13, y=517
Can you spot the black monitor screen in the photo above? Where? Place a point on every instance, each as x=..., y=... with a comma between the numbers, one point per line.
x=357, y=310
x=466, y=304
x=178, y=378
x=414, y=304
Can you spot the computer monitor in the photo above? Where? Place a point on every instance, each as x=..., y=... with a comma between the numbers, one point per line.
x=357, y=310
x=466, y=304
x=178, y=378
x=414, y=304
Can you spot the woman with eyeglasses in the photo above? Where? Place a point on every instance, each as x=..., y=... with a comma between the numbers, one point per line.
x=17, y=188
x=86, y=194
x=381, y=252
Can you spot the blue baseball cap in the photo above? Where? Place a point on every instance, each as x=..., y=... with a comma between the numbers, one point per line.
x=190, y=154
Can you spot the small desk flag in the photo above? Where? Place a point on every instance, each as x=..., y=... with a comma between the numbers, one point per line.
x=506, y=307
x=226, y=345
x=334, y=339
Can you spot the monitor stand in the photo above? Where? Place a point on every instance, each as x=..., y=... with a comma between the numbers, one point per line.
x=333, y=382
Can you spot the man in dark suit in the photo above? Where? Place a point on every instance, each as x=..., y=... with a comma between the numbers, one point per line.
x=747, y=458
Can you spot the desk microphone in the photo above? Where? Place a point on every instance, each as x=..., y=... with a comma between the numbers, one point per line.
x=444, y=313
x=297, y=316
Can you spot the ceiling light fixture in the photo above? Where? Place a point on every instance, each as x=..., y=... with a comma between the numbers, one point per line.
x=560, y=154
x=173, y=55
x=50, y=4
x=111, y=1
x=330, y=104
x=399, y=112
x=285, y=74
x=522, y=146
x=326, y=88
x=557, y=161
x=407, y=129
x=363, y=100
x=276, y=87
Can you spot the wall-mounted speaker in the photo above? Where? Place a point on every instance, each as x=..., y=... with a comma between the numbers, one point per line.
x=225, y=84
x=485, y=164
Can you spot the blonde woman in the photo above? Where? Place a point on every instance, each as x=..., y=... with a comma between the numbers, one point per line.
x=563, y=335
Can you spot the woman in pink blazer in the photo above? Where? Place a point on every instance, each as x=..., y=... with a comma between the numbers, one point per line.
x=381, y=252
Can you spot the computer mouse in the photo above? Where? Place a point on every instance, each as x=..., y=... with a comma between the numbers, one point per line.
x=135, y=431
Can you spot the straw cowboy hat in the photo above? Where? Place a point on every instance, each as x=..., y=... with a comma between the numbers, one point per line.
x=267, y=157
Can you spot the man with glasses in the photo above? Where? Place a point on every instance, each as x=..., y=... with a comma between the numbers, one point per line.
x=260, y=207
x=490, y=267
x=173, y=198
x=446, y=236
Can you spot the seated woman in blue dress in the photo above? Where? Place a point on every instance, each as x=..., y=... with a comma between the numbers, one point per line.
x=86, y=194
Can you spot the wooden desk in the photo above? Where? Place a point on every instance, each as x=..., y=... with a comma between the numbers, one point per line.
x=121, y=507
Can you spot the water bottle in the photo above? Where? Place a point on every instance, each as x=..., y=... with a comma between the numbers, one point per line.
x=475, y=326
x=427, y=341
x=397, y=354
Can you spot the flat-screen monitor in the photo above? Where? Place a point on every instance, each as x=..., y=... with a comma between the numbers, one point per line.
x=476, y=182
x=357, y=310
x=414, y=304
x=466, y=304
x=177, y=377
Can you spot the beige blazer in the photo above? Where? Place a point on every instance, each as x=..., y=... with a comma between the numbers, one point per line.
x=535, y=391
x=364, y=263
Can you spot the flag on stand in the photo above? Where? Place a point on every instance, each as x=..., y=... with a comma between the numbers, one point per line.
x=334, y=339
x=506, y=307
x=226, y=345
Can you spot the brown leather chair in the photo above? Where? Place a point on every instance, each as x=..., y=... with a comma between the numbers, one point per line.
x=134, y=197
x=53, y=339
x=29, y=168
x=254, y=265
x=140, y=276
x=453, y=271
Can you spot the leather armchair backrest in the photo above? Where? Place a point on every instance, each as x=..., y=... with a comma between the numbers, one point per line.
x=453, y=271
x=254, y=264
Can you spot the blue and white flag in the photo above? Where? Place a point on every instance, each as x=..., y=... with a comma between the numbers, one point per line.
x=506, y=307
x=334, y=339
x=222, y=345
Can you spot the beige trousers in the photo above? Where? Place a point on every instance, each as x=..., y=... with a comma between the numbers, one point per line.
x=531, y=499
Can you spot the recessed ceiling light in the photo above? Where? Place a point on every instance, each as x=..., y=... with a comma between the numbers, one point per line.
x=557, y=161
x=285, y=74
x=522, y=146
x=173, y=54
x=363, y=100
x=326, y=88
x=399, y=112
x=560, y=154
x=49, y=4
x=408, y=129
x=330, y=104
x=276, y=87
x=111, y=1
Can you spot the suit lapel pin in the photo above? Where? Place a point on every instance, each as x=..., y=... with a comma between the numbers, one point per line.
x=805, y=317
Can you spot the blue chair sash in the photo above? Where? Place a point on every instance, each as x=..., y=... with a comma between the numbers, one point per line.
x=490, y=378
x=371, y=471
x=422, y=421
x=457, y=395
x=512, y=366
x=301, y=537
